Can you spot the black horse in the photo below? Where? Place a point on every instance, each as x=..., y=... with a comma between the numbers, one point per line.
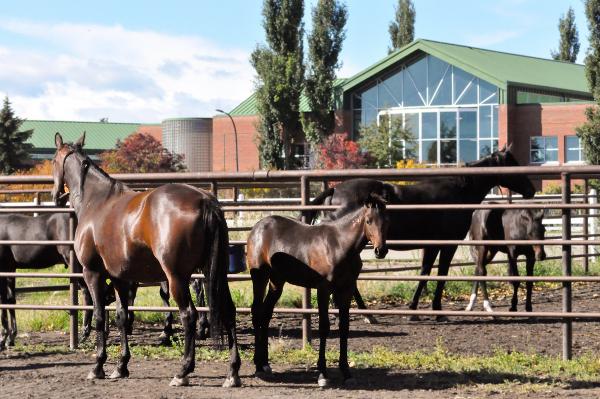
x=428, y=224
x=506, y=224
x=325, y=257
x=47, y=226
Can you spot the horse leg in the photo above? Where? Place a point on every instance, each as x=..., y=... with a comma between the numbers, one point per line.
x=179, y=288
x=204, y=326
x=446, y=255
x=343, y=299
x=260, y=280
x=478, y=253
x=429, y=255
x=233, y=379
x=513, y=270
x=369, y=319
x=167, y=333
x=530, y=262
x=12, y=299
x=4, y=316
x=122, y=314
x=87, y=315
x=132, y=288
x=323, y=303
x=273, y=295
x=97, y=285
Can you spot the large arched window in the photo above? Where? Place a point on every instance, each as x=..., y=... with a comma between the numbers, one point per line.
x=452, y=114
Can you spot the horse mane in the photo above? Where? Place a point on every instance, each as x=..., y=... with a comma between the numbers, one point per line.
x=116, y=186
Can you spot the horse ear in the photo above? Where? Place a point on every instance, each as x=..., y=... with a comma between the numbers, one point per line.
x=538, y=214
x=80, y=141
x=58, y=141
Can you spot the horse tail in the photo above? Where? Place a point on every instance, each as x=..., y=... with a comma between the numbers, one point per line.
x=311, y=215
x=220, y=304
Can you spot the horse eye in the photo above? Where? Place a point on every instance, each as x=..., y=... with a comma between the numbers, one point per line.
x=368, y=221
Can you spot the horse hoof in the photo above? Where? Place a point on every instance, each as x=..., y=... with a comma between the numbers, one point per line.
x=11, y=342
x=164, y=339
x=263, y=371
x=323, y=381
x=232, y=382
x=442, y=319
x=118, y=374
x=93, y=375
x=180, y=382
x=370, y=320
x=414, y=318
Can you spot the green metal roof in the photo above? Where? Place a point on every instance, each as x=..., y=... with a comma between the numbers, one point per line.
x=248, y=106
x=499, y=68
x=98, y=135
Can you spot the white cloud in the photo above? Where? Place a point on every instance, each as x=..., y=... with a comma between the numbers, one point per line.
x=85, y=72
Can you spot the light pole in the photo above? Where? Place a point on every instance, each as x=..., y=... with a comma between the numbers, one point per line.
x=237, y=164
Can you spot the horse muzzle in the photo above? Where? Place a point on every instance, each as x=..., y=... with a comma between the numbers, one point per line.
x=60, y=199
x=380, y=252
x=540, y=254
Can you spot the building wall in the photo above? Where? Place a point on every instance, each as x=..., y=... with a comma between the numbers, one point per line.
x=223, y=150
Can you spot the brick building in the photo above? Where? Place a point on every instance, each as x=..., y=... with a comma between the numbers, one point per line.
x=459, y=102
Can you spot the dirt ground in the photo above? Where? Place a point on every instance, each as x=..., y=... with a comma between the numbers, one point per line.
x=44, y=375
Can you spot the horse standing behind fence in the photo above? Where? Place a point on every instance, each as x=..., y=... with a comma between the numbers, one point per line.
x=54, y=227
x=157, y=235
x=325, y=257
x=443, y=224
x=506, y=224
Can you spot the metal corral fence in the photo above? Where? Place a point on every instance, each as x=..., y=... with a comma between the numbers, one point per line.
x=215, y=181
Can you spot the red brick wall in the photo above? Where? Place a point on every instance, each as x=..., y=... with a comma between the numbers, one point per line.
x=526, y=121
x=224, y=144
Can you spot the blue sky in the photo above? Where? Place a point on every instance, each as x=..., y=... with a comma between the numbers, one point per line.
x=148, y=60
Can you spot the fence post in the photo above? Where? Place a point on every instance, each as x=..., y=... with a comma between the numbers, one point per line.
x=586, y=264
x=73, y=288
x=567, y=325
x=305, y=199
x=593, y=199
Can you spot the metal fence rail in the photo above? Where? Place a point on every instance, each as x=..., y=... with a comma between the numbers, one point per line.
x=562, y=203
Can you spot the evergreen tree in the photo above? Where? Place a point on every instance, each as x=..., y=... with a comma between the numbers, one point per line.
x=568, y=47
x=402, y=29
x=14, y=150
x=280, y=75
x=324, y=46
x=589, y=132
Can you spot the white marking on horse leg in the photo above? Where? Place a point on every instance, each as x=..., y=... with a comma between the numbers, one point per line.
x=487, y=305
x=471, y=302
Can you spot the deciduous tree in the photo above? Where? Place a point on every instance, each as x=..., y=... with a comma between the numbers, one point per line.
x=339, y=152
x=386, y=142
x=402, y=28
x=568, y=46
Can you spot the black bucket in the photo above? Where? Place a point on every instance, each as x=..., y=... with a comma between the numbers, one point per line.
x=237, y=260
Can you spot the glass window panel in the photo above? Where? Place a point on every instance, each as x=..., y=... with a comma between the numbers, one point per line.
x=485, y=122
x=495, y=121
x=369, y=115
x=552, y=156
x=491, y=100
x=411, y=123
x=537, y=156
x=390, y=91
x=494, y=145
x=470, y=96
x=444, y=93
x=429, y=151
x=461, y=80
x=415, y=82
x=572, y=142
x=537, y=143
x=436, y=69
x=486, y=90
x=448, y=151
x=468, y=150
x=485, y=148
x=429, y=129
x=468, y=124
x=386, y=99
x=573, y=155
x=448, y=124
x=369, y=98
x=551, y=143
x=356, y=101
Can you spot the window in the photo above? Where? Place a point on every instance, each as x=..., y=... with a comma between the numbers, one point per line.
x=543, y=149
x=573, y=150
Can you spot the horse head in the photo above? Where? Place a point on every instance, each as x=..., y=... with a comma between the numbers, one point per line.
x=518, y=183
x=376, y=224
x=63, y=151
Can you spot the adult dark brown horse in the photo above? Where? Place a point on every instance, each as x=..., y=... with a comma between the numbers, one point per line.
x=12, y=257
x=157, y=235
x=325, y=257
x=506, y=224
x=428, y=224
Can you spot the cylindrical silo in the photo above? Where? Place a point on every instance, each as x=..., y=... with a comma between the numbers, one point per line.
x=192, y=138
